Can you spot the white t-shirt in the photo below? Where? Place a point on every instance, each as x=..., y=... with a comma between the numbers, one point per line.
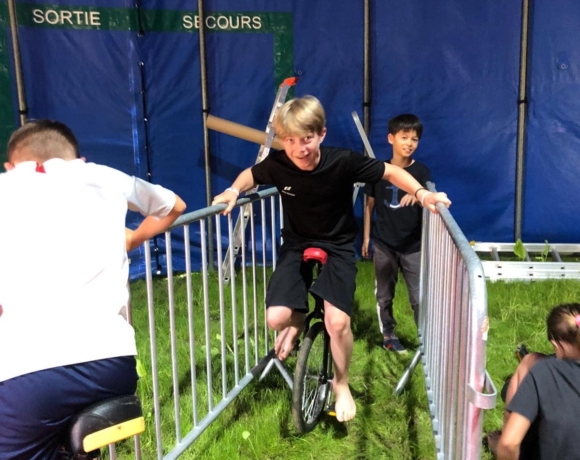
x=63, y=263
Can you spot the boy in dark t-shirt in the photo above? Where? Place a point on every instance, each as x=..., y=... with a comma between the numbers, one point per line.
x=397, y=231
x=315, y=185
x=543, y=397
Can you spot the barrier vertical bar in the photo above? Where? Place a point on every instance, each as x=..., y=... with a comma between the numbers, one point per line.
x=204, y=268
x=173, y=339
x=222, y=306
x=255, y=285
x=245, y=300
x=264, y=271
x=233, y=285
x=190, y=322
x=153, y=348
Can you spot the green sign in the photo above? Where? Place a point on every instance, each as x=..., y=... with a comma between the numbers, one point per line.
x=139, y=21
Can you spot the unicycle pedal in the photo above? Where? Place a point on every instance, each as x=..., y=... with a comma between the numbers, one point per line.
x=330, y=410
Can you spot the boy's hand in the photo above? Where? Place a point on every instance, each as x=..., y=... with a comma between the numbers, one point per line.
x=365, y=248
x=430, y=199
x=229, y=197
x=408, y=200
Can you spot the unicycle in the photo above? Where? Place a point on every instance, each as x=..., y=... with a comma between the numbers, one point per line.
x=101, y=424
x=313, y=375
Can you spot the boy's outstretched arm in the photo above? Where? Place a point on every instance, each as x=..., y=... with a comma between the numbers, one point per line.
x=406, y=182
x=152, y=226
x=370, y=206
x=245, y=181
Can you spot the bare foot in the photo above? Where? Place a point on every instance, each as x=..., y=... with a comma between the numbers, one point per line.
x=344, y=404
x=285, y=342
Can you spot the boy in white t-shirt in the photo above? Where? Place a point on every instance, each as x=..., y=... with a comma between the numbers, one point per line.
x=64, y=341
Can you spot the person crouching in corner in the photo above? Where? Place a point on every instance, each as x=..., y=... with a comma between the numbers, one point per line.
x=543, y=396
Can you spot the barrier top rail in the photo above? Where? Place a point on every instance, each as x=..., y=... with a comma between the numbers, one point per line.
x=470, y=257
x=199, y=214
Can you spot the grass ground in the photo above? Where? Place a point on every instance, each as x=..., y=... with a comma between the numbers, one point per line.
x=258, y=424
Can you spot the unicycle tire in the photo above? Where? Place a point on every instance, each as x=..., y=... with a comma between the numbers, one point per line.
x=311, y=381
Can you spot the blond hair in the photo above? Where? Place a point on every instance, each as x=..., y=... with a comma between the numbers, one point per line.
x=299, y=117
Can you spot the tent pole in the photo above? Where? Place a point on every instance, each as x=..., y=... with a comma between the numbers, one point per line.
x=147, y=144
x=205, y=111
x=22, y=107
x=366, y=81
x=522, y=112
x=366, y=69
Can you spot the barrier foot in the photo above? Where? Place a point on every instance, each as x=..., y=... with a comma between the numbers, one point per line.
x=407, y=374
x=273, y=361
x=285, y=374
x=270, y=357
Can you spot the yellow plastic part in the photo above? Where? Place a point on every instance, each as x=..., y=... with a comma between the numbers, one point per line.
x=330, y=410
x=113, y=434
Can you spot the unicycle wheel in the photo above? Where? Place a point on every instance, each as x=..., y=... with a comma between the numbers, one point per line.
x=311, y=380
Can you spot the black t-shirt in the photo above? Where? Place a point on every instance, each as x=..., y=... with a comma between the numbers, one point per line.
x=397, y=227
x=550, y=396
x=318, y=204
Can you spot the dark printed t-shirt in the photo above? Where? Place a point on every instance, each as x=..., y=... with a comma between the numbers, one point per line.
x=550, y=395
x=318, y=204
x=397, y=227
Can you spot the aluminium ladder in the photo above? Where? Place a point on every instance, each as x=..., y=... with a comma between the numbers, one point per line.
x=243, y=217
x=564, y=261
x=368, y=149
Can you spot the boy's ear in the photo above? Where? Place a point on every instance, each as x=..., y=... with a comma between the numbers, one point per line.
x=390, y=138
x=8, y=166
x=323, y=134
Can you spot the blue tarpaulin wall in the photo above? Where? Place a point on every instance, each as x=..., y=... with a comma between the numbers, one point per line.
x=126, y=77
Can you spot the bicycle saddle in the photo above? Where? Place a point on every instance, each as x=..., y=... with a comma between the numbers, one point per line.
x=104, y=423
x=316, y=254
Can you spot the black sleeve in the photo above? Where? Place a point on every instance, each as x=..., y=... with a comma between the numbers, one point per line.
x=365, y=169
x=526, y=400
x=262, y=172
x=369, y=190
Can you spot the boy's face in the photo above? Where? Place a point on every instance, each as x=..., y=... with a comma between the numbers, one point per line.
x=404, y=143
x=304, y=151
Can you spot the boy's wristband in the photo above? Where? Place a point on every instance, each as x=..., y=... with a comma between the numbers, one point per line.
x=417, y=191
x=231, y=189
x=424, y=195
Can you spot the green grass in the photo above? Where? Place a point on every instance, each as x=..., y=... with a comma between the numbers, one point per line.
x=386, y=427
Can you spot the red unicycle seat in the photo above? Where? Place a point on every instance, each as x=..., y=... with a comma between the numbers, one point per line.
x=315, y=254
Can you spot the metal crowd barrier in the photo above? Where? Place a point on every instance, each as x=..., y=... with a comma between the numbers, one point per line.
x=227, y=335
x=229, y=341
x=453, y=327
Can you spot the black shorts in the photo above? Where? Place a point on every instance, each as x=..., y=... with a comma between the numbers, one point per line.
x=292, y=279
